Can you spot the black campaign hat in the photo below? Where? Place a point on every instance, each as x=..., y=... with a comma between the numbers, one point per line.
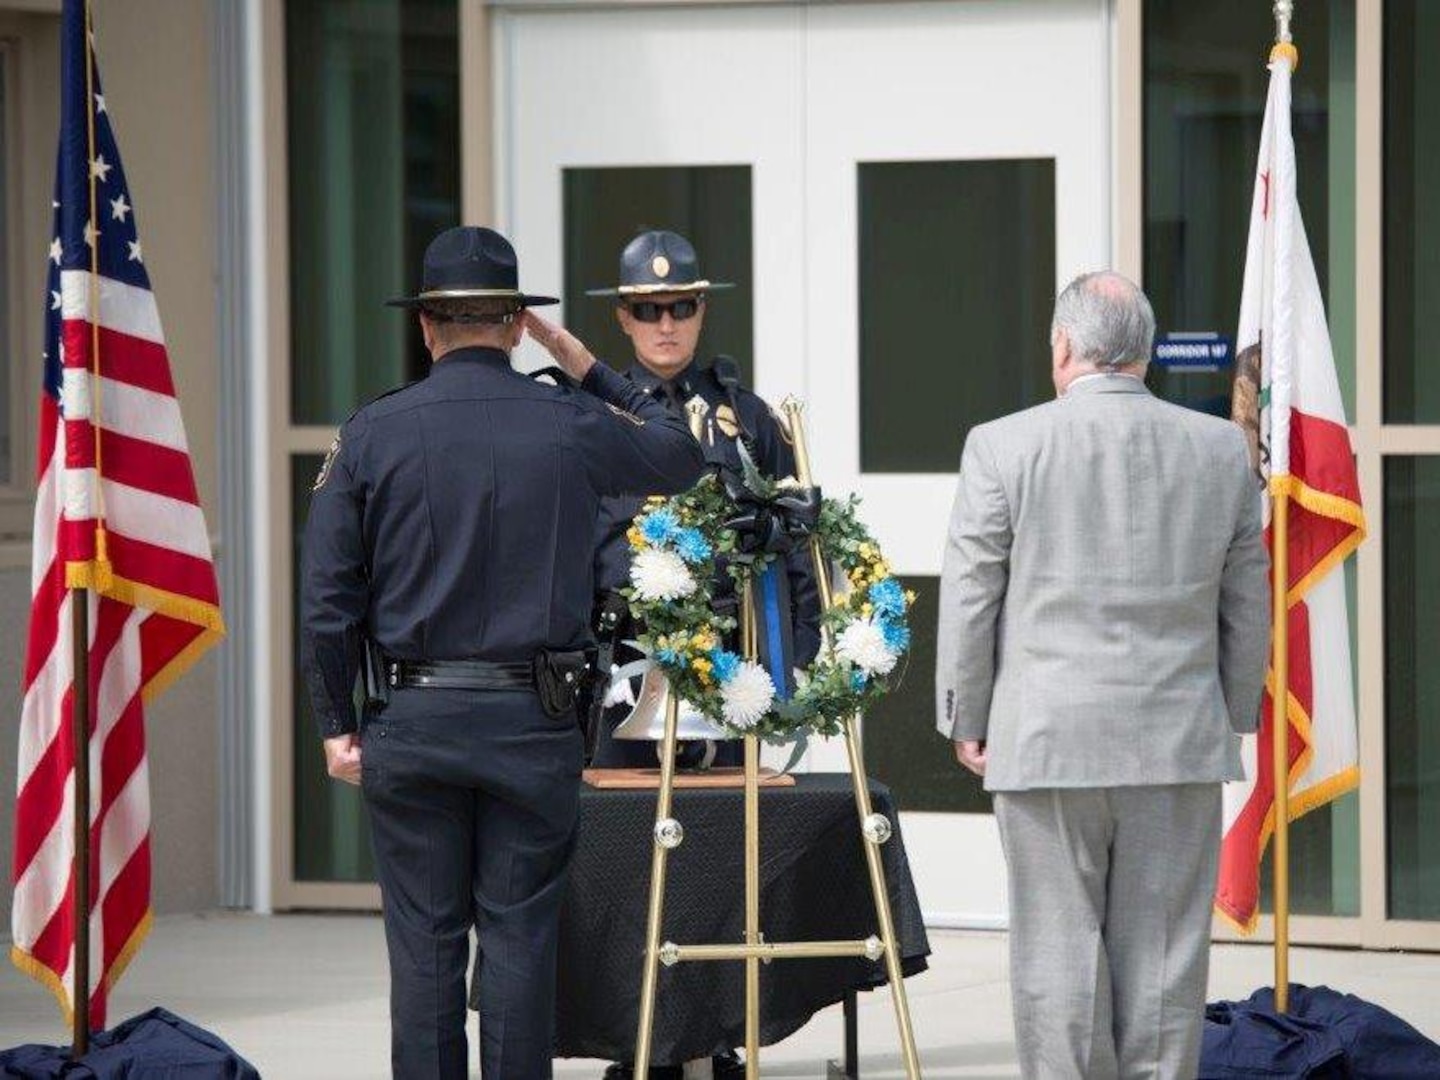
x=470, y=263
x=659, y=262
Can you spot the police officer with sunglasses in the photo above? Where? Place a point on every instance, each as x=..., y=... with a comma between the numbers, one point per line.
x=660, y=305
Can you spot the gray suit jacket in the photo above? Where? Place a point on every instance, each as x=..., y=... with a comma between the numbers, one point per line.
x=1104, y=604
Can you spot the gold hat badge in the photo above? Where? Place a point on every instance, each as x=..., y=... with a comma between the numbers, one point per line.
x=661, y=265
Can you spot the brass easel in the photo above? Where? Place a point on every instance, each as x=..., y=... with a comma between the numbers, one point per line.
x=668, y=835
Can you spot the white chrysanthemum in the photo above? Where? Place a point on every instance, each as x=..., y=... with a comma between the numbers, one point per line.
x=747, y=696
x=661, y=575
x=863, y=644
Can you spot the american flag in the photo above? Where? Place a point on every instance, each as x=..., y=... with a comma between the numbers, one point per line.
x=116, y=512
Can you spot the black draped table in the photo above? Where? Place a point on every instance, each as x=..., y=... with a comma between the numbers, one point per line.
x=814, y=886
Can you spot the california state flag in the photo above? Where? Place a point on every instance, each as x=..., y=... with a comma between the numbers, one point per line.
x=1287, y=398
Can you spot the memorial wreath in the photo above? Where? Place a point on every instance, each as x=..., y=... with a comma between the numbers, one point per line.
x=678, y=545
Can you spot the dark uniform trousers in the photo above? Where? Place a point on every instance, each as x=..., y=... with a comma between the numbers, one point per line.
x=473, y=800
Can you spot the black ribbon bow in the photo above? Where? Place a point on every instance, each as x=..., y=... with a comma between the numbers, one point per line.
x=770, y=521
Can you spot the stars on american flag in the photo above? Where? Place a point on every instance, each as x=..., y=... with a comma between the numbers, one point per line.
x=100, y=168
x=135, y=253
x=119, y=208
x=57, y=251
x=91, y=233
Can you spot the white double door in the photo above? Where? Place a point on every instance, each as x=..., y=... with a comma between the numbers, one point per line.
x=802, y=94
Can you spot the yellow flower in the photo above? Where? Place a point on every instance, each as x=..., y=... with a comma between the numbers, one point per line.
x=909, y=596
x=866, y=550
x=865, y=610
x=635, y=538
x=703, y=640
x=655, y=500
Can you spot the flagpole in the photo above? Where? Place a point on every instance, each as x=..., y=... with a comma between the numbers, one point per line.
x=80, y=632
x=1280, y=698
x=1280, y=744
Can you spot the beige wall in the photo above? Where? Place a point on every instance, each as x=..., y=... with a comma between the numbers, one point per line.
x=155, y=63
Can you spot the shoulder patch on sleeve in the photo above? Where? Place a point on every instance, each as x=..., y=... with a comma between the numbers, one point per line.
x=625, y=415
x=325, y=466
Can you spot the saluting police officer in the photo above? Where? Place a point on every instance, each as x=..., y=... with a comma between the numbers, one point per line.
x=450, y=545
x=660, y=304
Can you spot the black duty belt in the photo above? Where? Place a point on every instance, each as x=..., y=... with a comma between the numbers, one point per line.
x=460, y=675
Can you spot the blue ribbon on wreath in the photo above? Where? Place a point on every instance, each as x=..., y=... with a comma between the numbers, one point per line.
x=769, y=523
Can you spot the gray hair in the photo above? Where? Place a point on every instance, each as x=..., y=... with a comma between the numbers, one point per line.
x=1107, y=319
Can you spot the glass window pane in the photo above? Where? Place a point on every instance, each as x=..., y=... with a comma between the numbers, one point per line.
x=332, y=838
x=1412, y=684
x=374, y=167
x=709, y=205
x=6, y=312
x=1203, y=111
x=942, y=346
x=1412, y=213
x=901, y=747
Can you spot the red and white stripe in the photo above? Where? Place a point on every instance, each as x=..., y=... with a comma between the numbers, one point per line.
x=160, y=552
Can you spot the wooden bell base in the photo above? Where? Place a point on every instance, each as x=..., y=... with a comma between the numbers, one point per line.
x=635, y=779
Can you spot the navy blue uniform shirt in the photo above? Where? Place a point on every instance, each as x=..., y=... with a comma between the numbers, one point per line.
x=774, y=456
x=455, y=518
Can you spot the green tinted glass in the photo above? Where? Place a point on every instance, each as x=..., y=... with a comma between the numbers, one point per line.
x=332, y=839
x=902, y=747
x=957, y=285
x=1412, y=684
x=1203, y=112
x=373, y=93
x=1412, y=212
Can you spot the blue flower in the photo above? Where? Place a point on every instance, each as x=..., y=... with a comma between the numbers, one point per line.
x=857, y=680
x=671, y=657
x=726, y=664
x=896, y=634
x=692, y=546
x=660, y=526
x=887, y=598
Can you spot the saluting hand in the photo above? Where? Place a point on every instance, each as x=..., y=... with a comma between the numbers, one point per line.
x=564, y=347
x=342, y=758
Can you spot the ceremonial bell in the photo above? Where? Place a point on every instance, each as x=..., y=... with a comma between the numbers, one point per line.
x=647, y=718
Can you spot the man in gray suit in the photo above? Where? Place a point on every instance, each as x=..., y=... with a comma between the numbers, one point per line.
x=1104, y=623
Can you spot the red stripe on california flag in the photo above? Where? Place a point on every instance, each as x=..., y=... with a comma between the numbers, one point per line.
x=1238, y=889
x=1321, y=458
x=135, y=462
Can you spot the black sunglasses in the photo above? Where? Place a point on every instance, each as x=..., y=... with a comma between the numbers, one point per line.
x=649, y=311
